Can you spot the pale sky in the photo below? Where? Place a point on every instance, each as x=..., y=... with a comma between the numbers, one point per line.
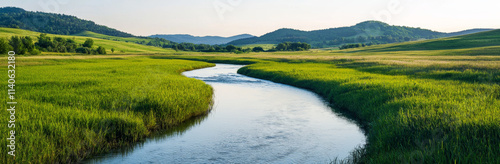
x=257, y=17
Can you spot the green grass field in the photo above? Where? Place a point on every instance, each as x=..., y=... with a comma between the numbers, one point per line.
x=418, y=104
x=71, y=109
x=416, y=109
x=433, y=117
x=432, y=101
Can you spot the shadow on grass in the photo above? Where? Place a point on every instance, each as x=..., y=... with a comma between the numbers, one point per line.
x=158, y=136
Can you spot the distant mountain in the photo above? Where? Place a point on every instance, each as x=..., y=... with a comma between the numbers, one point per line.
x=14, y=17
x=373, y=32
x=211, y=40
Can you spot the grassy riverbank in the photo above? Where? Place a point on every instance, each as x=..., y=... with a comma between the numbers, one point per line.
x=70, y=109
x=409, y=119
x=419, y=103
x=416, y=109
x=427, y=101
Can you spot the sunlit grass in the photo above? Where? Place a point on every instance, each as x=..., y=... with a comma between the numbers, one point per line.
x=74, y=108
x=418, y=102
x=434, y=119
x=418, y=105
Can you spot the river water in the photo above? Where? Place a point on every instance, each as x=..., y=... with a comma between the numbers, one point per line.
x=253, y=121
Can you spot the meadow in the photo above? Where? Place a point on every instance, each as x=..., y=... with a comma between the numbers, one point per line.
x=70, y=109
x=418, y=103
x=432, y=101
x=415, y=109
x=424, y=118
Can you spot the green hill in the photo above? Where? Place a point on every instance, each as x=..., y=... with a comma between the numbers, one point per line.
x=13, y=17
x=483, y=43
x=114, y=38
x=482, y=39
x=118, y=43
x=371, y=32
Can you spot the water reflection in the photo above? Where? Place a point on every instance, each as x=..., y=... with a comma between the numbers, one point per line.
x=157, y=137
x=253, y=121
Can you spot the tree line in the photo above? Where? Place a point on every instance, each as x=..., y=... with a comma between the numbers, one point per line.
x=293, y=46
x=357, y=45
x=26, y=45
x=285, y=46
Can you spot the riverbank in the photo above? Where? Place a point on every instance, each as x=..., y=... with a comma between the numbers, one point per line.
x=408, y=118
x=71, y=109
x=253, y=120
x=429, y=109
x=430, y=101
x=413, y=111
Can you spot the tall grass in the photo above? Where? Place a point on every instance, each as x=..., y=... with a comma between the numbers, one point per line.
x=433, y=101
x=409, y=119
x=70, y=109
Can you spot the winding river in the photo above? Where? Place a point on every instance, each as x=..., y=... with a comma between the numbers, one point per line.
x=253, y=121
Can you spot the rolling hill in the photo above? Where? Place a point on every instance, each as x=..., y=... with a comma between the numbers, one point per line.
x=373, y=32
x=466, y=32
x=121, y=45
x=485, y=43
x=487, y=39
x=13, y=17
x=138, y=40
x=211, y=40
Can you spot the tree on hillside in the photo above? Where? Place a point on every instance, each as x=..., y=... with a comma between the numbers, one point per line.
x=258, y=49
x=71, y=45
x=83, y=50
x=4, y=46
x=231, y=48
x=357, y=45
x=88, y=43
x=295, y=46
x=17, y=45
x=211, y=49
x=282, y=47
x=180, y=47
x=101, y=50
x=28, y=43
x=44, y=42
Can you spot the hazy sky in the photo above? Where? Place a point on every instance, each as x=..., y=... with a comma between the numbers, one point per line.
x=257, y=17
